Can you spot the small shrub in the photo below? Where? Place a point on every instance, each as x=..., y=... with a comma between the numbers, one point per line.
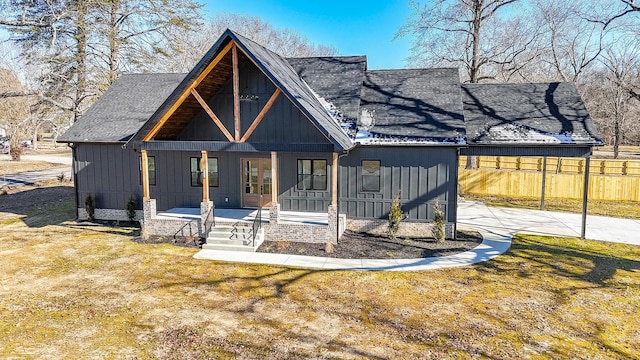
x=395, y=216
x=438, y=222
x=90, y=206
x=62, y=177
x=130, y=206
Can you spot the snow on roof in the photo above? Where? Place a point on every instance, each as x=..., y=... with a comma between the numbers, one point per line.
x=515, y=133
x=361, y=134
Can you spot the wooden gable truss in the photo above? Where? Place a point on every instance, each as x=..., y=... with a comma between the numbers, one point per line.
x=171, y=122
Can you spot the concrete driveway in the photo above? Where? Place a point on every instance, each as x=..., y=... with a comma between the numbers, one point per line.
x=30, y=177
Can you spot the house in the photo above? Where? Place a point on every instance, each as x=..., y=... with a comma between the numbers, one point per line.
x=247, y=128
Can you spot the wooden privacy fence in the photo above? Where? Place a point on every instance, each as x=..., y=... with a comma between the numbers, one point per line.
x=522, y=177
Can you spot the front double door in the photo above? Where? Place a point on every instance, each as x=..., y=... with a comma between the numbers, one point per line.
x=256, y=182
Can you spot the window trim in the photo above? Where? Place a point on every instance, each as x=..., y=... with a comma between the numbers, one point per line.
x=362, y=176
x=312, y=175
x=152, y=173
x=199, y=173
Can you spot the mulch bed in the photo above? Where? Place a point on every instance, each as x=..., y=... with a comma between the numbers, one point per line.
x=365, y=246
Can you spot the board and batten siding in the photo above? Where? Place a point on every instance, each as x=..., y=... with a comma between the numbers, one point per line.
x=283, y=123
x=107, y=172
x=292, y=199
x=111, y=174
x=421, y=175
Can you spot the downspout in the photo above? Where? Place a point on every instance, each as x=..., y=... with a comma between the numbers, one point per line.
x=74, y=170
x=344, y=153
x=455, y=194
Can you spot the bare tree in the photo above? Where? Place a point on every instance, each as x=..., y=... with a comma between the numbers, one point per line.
x=625, y=8
x=15, y=112
x=80, y=46
x=616, y=107
x=191, y=46
x=574, y=43
x=473, y=34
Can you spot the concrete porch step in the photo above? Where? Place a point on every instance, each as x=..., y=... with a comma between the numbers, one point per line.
x=233, y=238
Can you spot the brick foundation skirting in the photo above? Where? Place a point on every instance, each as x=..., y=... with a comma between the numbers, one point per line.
x=108, y=214
x=184, y=229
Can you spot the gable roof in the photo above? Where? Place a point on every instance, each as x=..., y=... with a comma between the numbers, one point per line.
x=277, y=69
x=412, y=105
x=349, y=104
x=547, y=113
x=123, y=108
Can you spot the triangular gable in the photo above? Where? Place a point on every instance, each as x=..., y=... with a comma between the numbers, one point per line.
x=214, y=70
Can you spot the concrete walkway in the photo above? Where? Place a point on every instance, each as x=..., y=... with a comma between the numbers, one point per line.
x=497, y=226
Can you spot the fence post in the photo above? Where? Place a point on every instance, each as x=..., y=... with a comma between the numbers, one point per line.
x=585, y=196
x=544, y=181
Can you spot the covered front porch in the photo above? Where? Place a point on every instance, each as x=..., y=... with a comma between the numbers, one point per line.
x=247, y=215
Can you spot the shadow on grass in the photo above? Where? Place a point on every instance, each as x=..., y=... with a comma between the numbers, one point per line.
x=574, y=259
x=41, y=206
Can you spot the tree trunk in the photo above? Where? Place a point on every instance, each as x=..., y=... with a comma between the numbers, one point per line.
x=113, y=42
x=616, y=138
x=81, y=58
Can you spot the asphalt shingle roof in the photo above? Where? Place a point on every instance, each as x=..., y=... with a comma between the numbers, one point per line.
x=123, y=108
x=549, y=113
x=408, y=106
x=337, y=79
x=420, y=104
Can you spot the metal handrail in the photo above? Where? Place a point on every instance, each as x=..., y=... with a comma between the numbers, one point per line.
x=257, y=224
x=181, y=231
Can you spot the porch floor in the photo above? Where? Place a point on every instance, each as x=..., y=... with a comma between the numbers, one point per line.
x=247, y=215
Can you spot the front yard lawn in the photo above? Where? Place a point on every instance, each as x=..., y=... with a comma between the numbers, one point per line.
x=80, y=290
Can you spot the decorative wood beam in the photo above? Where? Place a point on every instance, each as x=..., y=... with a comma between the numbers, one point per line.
x=334, y=180
x=261, y=115
x=187, y=91
x=145, y=175
x=274, y=177
x=204, y=168
x=212, y=115
x=236, y=92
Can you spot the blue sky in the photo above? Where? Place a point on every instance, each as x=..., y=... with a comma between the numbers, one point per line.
x=353, y=27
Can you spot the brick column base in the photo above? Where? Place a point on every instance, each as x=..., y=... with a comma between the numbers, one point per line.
x=274, y=214
x=205, y=207
x=332, y=229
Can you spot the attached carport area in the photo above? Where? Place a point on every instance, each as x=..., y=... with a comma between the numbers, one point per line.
x=544, y=119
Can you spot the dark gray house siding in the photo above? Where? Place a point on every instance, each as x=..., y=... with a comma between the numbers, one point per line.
x=283, y=123
x=174, y=187
x=302, y=200
x=419, y=174
x=108, y=173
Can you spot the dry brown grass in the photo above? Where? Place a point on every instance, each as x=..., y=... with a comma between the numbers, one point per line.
x=76, y=290
x=13, y=167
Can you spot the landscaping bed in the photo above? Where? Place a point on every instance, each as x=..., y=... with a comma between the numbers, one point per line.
x=366, y=246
